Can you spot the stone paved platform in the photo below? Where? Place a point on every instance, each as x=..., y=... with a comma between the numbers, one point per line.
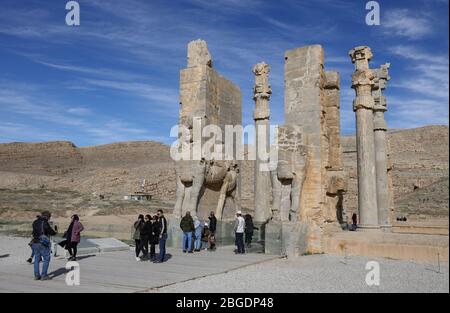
x=119, y=272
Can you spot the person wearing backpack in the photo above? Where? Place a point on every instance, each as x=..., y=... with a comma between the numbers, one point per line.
x=41, y=245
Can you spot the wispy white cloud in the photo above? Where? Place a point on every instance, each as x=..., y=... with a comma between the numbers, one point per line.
x=102, y=72
x=10, y=132
x=413, y=53
x=428, y=74
x=79, y=111
x=158, y=95
x=410, y=112
x=406, y=23
x=37, y=107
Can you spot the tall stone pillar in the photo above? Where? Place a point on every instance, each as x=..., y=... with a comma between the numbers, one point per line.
x=380, y=128
x=390, y=167
x=333, y=118
x=362, y=82
x=337, y=177
x=261, y=115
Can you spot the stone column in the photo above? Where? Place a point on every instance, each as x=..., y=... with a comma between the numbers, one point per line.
x=390, y=167
x=362, y=82
x=261, y=115
x=380, y=128
x=333, y=119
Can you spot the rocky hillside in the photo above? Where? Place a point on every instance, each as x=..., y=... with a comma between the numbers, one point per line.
x=419, y=156
x=115, y=169
x=43, y=158
x=430, y=200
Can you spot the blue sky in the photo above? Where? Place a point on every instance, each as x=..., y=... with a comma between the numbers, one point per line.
x=115, y=77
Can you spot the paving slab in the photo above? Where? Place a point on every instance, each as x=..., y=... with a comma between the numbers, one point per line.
x=118, y=271
x=109, y=244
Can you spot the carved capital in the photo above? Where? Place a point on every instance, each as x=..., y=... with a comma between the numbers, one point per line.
x=361, y=56
x=262, y=87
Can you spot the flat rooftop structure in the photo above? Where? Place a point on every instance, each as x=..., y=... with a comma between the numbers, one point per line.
x=138, y=196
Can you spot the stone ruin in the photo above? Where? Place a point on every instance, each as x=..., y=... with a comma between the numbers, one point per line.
x=309, y=182
x=375, y=193
x=206, y=98
x=299, y=201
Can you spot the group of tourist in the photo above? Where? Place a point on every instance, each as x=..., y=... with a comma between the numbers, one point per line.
x=150, y=230
x=199, y=235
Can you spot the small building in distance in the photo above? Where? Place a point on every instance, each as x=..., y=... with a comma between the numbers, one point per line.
x=138, y=196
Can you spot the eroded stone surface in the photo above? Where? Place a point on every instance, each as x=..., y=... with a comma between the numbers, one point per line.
x=206, y=183
x=362, y=82
x=261, y=115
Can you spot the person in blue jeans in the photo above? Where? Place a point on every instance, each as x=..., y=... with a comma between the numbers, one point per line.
x=198, y=234
x=41, y=245
x=44, y=252
x=163, y=235
x=187, y=226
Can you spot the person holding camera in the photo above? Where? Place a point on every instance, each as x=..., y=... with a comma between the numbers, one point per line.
x=41, y=245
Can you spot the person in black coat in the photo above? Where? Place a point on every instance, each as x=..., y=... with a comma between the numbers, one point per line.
x=249, y=230
x=154, y=237
x=212, y=223
x=162, y=221
x=146, y=232
x=41, y=244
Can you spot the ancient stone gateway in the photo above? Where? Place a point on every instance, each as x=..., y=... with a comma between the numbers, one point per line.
x=309, y=181
x=298, y=203
x=205, y=182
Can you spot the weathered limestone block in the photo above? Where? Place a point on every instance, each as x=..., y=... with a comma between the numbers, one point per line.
x=198, y=54
x=288, y=178
x=261, y=115
x=336, y=185
x=333, y=118
x=336, y=188
x=305, y=106
x=206, y=98
x=286, y=238
x=362, y=82
x=301, y=190
x=390, y=183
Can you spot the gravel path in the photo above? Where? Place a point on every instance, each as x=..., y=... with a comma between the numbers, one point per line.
x=14, y=250
x=315, y=273
x=322, y=273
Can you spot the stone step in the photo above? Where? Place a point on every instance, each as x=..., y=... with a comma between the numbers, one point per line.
x=401, y=246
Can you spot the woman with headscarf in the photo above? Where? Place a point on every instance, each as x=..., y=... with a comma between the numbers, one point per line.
x=73, y=236
x=249, y=230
